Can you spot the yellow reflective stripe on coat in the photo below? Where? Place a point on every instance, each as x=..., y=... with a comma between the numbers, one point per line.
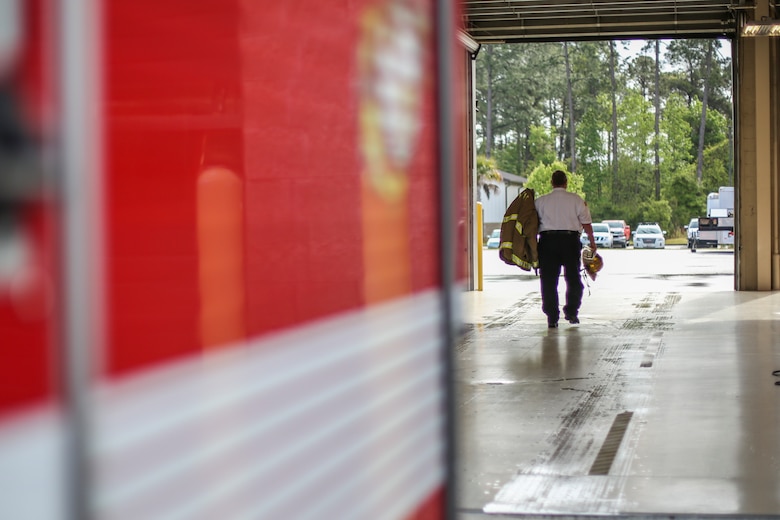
x=518, y=225
x=522, y=262
x=517, y=260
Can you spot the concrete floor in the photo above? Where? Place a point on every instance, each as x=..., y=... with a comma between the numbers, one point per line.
x=661, y=403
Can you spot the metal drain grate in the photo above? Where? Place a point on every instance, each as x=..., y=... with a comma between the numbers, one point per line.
x=608, y=450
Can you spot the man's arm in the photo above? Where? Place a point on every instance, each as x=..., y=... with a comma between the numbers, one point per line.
x=589, y=231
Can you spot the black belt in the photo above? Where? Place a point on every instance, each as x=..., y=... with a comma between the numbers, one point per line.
x=559, y=232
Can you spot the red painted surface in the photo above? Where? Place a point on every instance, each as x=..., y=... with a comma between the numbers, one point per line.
x=432, y=508
x=28, y=294
x=194, y=85
x=240, y=199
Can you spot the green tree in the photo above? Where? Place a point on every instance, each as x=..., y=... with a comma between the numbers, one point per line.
x=487, y=176
x=614, y=130
x=688, y=57
x=590, y=83
x=507, y=158
x=675, y=143
x=657, y=115
x=716, y=159
x=570, y=106
x=636, y=127
x=541, y=145
x=641, y=72
x=593, y=163
x=507, y=110
x=703, y=119
x=540, y=179
x=635, y=123
x=686, y=197
x=656, y=211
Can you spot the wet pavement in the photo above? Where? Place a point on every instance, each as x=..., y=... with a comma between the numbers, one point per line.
x=660, y=403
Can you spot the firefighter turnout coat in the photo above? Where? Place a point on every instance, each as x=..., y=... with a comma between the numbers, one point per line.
x=519, y=245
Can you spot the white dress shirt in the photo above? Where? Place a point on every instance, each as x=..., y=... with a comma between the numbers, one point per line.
x=561, y=210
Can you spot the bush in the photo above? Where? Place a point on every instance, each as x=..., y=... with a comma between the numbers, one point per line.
x=656, y=211
x=539, y=179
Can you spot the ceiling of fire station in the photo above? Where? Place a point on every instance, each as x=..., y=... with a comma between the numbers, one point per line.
x=509, y=21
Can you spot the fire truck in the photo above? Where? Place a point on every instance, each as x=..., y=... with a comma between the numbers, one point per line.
x=717, y=228
x=227, y=258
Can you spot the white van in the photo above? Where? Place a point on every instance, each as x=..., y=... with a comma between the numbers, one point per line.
x=693, y=231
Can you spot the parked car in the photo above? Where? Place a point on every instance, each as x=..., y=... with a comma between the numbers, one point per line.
x=693, y=231
x=626, y=228
x=649, y=236
x=601, y=233
x=495, y=239
x=620, y=232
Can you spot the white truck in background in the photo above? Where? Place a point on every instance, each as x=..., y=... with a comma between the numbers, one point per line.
x=717, y=228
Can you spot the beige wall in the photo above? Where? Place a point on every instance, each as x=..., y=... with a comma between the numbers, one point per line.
x=758, y=184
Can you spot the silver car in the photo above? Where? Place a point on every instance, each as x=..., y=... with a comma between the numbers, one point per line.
x=494, y=240
x=649, y=236
x=601, y=233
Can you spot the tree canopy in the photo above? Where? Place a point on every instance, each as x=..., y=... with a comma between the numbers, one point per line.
x=642, y=137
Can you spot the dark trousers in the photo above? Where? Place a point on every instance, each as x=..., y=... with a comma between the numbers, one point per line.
x=556, y=251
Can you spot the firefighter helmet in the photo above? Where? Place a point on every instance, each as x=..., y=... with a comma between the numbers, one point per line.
x=592, y=262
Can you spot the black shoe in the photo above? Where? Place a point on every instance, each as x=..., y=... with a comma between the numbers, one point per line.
x=572, y=319
x=552, y=324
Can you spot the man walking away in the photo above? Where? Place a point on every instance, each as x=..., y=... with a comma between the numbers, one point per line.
x=562, y=216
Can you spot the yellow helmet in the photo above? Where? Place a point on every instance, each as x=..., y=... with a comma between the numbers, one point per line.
x=592, y=262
